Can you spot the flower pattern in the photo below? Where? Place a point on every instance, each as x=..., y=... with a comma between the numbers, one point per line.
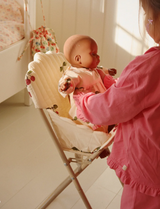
x=11, y=27
x=44, y=40
x=29, y=78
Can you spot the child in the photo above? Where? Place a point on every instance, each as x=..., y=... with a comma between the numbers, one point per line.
x=83, y=74
x=134, y=103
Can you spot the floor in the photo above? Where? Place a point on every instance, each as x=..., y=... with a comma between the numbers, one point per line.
x=31, y=168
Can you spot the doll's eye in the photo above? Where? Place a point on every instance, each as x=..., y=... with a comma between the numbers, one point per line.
x=93, y=54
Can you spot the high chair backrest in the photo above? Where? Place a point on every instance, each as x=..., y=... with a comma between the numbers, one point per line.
x=42, y=81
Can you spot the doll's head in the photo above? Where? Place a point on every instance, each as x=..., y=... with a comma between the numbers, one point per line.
x=152, y=18
x=81, y=51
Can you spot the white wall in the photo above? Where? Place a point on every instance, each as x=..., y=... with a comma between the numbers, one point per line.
x=112, y=23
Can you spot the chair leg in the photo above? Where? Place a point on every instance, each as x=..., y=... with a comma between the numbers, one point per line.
x=61, y=187
x=79, y=188
x=66, y=162
x=55, y=193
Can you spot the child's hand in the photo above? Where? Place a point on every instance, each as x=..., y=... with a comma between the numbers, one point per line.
x=65, y=85
x=112, y=71
x=102, y=74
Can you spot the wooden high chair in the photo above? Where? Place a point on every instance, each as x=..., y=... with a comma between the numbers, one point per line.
x=42, y=84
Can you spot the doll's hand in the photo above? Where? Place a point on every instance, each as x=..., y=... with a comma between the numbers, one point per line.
x=65, y=85
x=112, y=71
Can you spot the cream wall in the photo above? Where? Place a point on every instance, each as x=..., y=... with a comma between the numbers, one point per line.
x=112, y=23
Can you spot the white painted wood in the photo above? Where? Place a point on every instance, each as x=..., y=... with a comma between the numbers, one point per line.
x=11, y=70
x=56, y=20
x=83, y=10
x=113, y=24
x=97, y=23
x=69, y=18
x=108, y=57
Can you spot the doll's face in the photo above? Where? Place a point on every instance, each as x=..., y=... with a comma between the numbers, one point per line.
x=81, y=51
x=87, y=54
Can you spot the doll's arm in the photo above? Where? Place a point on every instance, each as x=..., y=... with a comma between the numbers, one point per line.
x=67, y=85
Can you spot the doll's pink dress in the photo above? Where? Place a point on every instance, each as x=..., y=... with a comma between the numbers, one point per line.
x=84, y=80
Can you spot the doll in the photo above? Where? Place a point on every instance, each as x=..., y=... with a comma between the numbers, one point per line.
x=83, y=75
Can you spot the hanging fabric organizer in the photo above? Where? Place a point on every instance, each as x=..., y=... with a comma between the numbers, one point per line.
x=43, y=39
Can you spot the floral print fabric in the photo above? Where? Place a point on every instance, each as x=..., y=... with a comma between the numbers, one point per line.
x=11, y=23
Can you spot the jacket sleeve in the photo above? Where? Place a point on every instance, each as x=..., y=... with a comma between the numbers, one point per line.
x=106, y=78
x=120, y=103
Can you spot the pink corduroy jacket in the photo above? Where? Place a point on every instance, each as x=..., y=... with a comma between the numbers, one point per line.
x=134, y=104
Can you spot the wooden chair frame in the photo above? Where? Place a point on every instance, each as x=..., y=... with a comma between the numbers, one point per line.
x=82, y=164
x=42, y=84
